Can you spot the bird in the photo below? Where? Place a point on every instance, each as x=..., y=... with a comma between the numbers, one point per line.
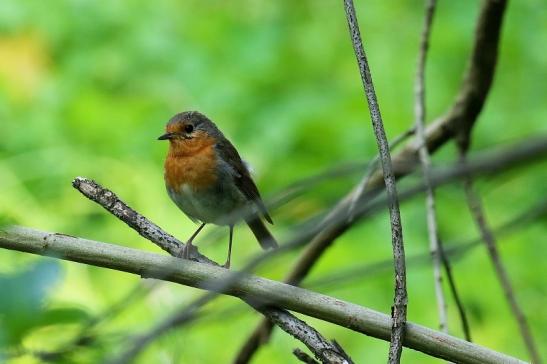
x=207, y=179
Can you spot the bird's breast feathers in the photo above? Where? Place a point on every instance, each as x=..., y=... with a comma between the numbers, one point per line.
x=197, y=170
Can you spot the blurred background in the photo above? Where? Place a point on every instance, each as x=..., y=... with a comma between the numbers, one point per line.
x=86, y=87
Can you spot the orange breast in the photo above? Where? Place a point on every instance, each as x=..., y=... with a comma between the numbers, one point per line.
x=192, y=162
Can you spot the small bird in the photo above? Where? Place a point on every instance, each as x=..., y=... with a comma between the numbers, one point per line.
x=206, y=178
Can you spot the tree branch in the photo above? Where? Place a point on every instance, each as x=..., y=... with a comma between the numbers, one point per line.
x=477, y=212
x=454, y=251
x=437, y=250
x=291, y=324
x=476, y=83
x=400, y=301
x=147, y=229
x=199, y=275
x=419, y=114
x=324, y=351
x=475, y=87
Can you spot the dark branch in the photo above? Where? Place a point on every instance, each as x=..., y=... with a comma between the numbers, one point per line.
x=477, y=212
x=303, y=357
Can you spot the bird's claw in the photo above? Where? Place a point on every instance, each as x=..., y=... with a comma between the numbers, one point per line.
x=187, y=251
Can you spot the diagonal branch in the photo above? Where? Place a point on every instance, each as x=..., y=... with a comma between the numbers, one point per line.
x=476, y=83
x=477, y=212
x=491, y=163
x=527, y=152
x=198, y=275
x=475, y=87
x=147, y=229
x=324, y=350
x=400, y=301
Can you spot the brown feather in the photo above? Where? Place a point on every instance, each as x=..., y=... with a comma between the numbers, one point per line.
x=243, y=180
x=191, y=162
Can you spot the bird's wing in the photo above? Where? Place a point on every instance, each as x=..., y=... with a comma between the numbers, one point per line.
x=242, y=178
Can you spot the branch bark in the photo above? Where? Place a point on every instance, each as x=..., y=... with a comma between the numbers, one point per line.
x=400, y=301
x=199, y=275
x=475, y=87
x=325, y=351
x=477, y=212
x=431, y=210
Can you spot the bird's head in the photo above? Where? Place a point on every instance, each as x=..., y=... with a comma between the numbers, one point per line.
x=189, y=130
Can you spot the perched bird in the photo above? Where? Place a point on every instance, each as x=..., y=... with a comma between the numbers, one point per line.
x=209, y=182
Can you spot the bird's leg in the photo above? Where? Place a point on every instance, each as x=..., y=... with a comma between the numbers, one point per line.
x=227, y=264
x=188, y=247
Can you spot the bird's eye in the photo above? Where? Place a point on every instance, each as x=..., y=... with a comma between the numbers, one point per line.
x=188, y=128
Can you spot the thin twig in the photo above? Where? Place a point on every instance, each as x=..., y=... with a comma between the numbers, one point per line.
x=400, y=301
x=435, y=247
x=477, y=212
x=199, y=275
x=462, y=313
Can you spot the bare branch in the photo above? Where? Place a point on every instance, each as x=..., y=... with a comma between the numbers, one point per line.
x=477, y=212
x=199, y=275
x=479, y=83
x=400, y=300
x=465, y=110
x=493, y=162
x=454, y=252
x=133, y=219
x=152, y=232
x=455, y=295
x=435, y=246
x=323, y=350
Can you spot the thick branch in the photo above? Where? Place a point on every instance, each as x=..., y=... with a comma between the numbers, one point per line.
x=291, y=324
x=199, y=275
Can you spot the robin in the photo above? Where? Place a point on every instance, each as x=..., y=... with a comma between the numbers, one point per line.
x=206, y=178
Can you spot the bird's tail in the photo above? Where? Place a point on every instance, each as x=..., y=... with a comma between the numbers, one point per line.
x=262, y=233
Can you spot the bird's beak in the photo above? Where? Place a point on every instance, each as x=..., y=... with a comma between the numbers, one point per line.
x=166, y=136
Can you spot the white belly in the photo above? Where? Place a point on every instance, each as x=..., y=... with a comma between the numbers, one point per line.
x=209, y=206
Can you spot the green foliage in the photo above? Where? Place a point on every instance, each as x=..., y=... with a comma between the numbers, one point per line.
x=23, y=306
x=87, y=86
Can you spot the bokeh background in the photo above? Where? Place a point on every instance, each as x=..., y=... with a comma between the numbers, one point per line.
x=87, y=86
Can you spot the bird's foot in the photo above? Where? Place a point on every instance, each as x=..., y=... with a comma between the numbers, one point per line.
x=226, y=265
x=188, y=250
